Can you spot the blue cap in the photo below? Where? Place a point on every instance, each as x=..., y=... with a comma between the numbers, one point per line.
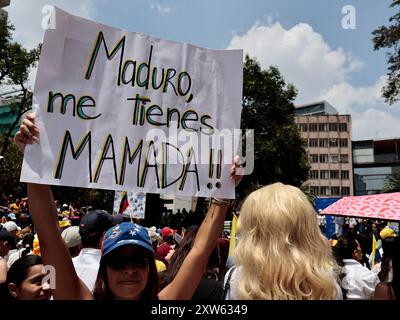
x=123, y=234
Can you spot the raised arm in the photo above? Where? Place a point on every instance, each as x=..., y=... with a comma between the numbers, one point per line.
x=44, y=215
x=190, y=273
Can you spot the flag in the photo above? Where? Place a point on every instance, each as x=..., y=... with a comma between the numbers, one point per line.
x=233, y=235
x=183, y=232
x=374, y=247
x=124, y=202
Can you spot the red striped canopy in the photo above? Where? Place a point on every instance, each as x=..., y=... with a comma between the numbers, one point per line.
x=384, y=206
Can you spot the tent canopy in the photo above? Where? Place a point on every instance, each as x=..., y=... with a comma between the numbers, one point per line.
x=384, y=206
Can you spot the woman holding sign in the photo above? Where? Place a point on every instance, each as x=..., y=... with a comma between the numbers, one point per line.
x=127, y=268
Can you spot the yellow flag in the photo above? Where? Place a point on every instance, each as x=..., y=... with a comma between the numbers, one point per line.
x=233, y=235
x=374, y=247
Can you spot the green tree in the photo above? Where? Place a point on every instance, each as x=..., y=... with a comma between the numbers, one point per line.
x=10, y=171
x=268, y=108
x=15, y=64
x=389, y=37
x=392, y=184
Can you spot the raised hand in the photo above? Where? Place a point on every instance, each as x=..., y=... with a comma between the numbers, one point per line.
x=28, y=133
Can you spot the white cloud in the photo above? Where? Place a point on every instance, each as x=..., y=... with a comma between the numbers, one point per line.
x=159, y=8
x=27, y=17
x=321, y=73
x=301, y=54
x=375, y=124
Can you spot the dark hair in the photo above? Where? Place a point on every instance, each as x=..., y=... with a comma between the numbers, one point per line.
x=344, y=249
x=150, y=292
x=388, y=246
x=18, y=273
x=27, y=243
x=181, y=251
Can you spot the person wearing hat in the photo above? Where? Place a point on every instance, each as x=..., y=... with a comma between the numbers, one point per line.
x=167, y=243
x=127, y=267
x=91, y=229
x=155, y=238
x=11, y=227
x=72, y=239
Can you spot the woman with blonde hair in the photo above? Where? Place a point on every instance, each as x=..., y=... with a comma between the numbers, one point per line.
x=281, y=252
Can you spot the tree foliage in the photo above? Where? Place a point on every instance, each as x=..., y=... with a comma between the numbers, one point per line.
x=389, y=37
x=392, y=184
x=15, y=64
x=268, y=108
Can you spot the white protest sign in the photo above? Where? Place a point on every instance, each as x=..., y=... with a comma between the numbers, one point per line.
x=130, y=204
x=121, y=110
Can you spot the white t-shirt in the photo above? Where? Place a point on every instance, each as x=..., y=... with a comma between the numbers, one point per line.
x=87, y=265
x=359, y=281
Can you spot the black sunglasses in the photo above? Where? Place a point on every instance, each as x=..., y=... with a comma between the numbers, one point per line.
x=119, y=261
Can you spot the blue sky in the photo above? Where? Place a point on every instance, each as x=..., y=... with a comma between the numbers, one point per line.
x=304, y=38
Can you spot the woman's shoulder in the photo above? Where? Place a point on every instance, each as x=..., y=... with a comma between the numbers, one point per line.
x=383, y=291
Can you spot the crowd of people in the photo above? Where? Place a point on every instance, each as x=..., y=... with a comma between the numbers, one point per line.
x=49, y=251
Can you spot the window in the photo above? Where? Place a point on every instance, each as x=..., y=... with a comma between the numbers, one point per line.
x=344, y=158
x=322, y=126
x=324, y=174
x=323, y=158
x=335, y=174
x=345, y=191
x=334, y=158
x=343, y=142
x=314, y=190
x=344, y=174
x=333, y=127
x=323, y=143
x=303, y=127
x=313, y=143
x=314, y=174
x=313, y=127
x=333, y=142
x=342, y=127
x=325, y=191
x=335, y=191
x=313, y=158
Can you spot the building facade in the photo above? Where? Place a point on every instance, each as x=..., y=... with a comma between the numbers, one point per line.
x=328, y=138
x=374, y=163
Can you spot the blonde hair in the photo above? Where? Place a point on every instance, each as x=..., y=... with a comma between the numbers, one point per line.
x=281, y=250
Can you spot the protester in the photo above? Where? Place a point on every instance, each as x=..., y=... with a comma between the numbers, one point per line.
x=281, y=252
x=208, y=289
x=91, y=229
x=389, y=287
x=72, y=239
x=26, y=248
x=165, y=246
x=12, y=227
x=6, y=242
x=358, y=282
x=25, y=280
x=155, y=238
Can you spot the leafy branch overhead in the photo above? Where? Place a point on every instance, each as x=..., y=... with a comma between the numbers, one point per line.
x=15, y=65
x=389, y=37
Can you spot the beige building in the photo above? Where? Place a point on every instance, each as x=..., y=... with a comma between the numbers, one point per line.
x=328, y=137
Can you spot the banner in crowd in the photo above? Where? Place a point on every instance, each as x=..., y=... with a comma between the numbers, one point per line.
x=130, y=204
x=122, y=110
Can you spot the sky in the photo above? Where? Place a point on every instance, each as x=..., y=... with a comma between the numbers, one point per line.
x=306, y=39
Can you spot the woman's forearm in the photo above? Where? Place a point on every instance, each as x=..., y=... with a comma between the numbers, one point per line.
x=53, y=249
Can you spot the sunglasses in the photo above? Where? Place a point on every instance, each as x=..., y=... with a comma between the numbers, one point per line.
x=120, y=262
